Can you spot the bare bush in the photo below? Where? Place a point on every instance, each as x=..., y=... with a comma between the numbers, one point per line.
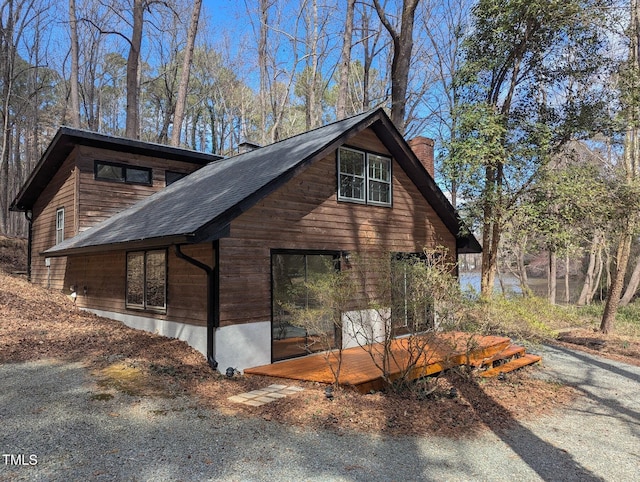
x=393, y=306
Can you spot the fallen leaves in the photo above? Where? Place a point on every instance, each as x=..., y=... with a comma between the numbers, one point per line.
x=36, y=323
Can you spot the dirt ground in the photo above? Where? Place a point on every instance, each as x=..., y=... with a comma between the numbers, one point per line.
x=36, y=323
x=622, y=348
x=13, y=254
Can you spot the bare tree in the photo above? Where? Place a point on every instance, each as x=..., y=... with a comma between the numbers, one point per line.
x=345, y=61
x=16, y=16
x=74, y=81
x=132, y=129
x=594, y=270
x=402, y=38
x=262, y=62
x=184, y=76
x=444, y=24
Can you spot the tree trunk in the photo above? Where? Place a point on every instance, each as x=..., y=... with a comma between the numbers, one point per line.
x=345, y=62
x=181, y=102
x=632, y=287
x=262, y=62
x=589, y=279
x=552, y=280
x=8, y=52
x=617, y=283
x=367, y=59
x=631, y=159
x=489, y=257
x=522, y=272
x=132, y=128
x=402, y=47
x=567, y=289
x=491, y=227
x=74, y=91
x=600, y=265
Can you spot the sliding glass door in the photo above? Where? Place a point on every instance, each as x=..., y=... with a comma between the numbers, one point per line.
x=291, y=272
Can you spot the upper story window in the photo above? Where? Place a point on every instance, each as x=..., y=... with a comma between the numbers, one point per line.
x=59, y=225
x=171, y=176
x=109, y=171
x=364, y=177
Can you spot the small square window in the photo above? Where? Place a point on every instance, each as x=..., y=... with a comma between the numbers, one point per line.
x=170, y=177
x=139, y=176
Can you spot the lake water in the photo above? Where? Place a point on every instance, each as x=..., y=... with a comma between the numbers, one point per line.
x=470, y=282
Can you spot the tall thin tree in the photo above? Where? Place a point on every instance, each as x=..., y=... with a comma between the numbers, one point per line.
x=74, y=80
x=132, y=124
x=345, y=61
x=181, y=101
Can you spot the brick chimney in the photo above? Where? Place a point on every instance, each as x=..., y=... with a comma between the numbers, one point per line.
x=422, y=147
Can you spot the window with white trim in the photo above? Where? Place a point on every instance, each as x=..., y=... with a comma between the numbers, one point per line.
x=364, y=177
x=59, y=225
x=147, y=280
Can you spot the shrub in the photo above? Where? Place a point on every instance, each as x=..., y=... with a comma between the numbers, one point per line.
x=530, y=318
x=379, y=298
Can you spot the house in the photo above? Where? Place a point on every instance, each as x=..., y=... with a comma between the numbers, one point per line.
x=202, y=258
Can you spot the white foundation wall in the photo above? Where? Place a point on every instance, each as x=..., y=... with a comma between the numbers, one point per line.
x=236, y=346
x=243, y=346
x=195, y=336
x=364, y=327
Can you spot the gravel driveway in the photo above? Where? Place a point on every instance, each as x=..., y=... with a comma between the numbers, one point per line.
x=53, y=428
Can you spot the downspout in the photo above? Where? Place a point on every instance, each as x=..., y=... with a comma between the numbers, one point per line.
x=212, y=301
x=29, y=216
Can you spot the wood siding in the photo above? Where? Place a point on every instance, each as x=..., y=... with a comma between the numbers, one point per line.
x=99, y=200
x=59, y=193
x=305, y=214
x=87, y=202
x=104, y=276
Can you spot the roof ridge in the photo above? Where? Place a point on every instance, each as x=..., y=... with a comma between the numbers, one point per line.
x=344, y=119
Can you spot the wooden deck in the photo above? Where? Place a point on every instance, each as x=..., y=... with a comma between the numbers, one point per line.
x=439, y=351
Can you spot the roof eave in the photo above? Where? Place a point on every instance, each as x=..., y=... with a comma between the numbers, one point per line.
x=400, y=150
x=150, y=243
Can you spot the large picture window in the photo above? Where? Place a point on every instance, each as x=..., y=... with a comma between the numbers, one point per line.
x=364, y=177
x=109, y=171
x=147, y=280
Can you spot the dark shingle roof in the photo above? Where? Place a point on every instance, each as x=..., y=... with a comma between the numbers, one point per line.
x=200, y=206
